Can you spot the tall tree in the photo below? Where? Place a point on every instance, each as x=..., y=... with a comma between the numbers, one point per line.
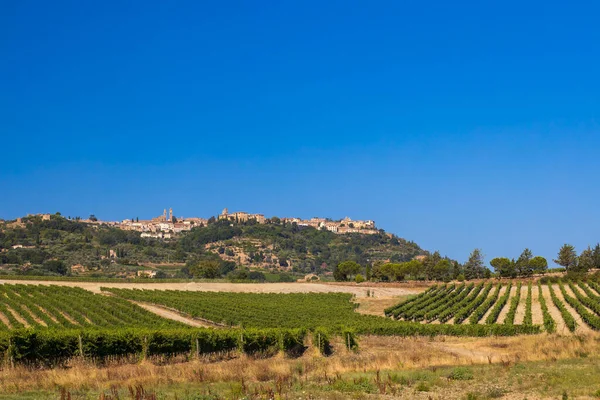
x=597, y=256
x=346, y=269
x=567, y=257
x=442, y=270
x=586, y=260
x=474, y=267
x=522, y=264
x=429, y=265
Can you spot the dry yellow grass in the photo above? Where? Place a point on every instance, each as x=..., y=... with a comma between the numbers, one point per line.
x=377, y=353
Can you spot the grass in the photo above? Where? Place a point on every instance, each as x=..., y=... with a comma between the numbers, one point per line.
x=544, y=366
x=530, y=380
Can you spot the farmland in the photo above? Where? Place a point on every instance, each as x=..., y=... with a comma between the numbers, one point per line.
x=332, y=311
x=32, y=306
x=77, y=333
x=564, y=306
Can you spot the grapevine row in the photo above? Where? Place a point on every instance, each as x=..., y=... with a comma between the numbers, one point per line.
x=493, y=316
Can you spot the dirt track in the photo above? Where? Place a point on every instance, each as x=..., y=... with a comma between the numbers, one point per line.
x=359, y=291
x=168, y=314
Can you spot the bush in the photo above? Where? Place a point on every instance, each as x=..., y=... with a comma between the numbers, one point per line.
x=359, y=278
x=461, y=374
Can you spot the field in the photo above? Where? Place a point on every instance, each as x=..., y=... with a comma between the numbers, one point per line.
x=563, y=307
x=33, y=306
x=332, y=311
x=450, y=339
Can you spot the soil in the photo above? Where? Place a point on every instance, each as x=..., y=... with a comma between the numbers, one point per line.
x=502, y=315
x=536, y=308
x=520, y=314
x=5, y=321
x=173, y=315
x=18, y=317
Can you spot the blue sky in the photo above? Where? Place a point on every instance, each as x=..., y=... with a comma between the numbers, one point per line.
x=456, y=126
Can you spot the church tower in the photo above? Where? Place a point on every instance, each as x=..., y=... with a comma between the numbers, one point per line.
x=170, y=214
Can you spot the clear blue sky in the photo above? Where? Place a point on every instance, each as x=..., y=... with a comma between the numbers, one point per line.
x=456, y=125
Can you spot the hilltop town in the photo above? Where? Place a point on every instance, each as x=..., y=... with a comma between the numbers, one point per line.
x=54, y=244
x=345, y=225
x=166, y=225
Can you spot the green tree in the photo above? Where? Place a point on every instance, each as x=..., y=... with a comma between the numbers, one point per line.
x=209, y=269
x=93, y=218
x=504, y=267
x=474, y=267
x=442, y=270
x=346, y=269
x=586, y=260
x=522, y=265
x=539, y=265
x=368, y=274
x=567, y=257
x=55, y=266
x=597, y=256
x=429, y=264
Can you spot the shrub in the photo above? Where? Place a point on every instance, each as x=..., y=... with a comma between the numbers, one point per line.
x=461, y=374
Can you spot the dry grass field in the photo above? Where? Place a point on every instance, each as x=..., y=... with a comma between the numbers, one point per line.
x=533, y=367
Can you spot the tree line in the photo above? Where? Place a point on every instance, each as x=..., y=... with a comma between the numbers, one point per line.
x=434, y=267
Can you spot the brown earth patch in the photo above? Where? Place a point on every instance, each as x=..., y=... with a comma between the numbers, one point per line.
x=173, y=315
x=5, y=320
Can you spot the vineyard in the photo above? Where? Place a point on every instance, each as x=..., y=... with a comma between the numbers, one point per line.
x=332, y=311
x=44, y=325
x=52, y=307
x=565, y=306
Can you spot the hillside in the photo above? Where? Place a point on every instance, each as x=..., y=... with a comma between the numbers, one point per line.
x=62, y=246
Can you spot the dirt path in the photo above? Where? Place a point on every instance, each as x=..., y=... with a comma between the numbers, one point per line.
x=5, y=321
x=554, y=312
x=18, y=317
x=358, y=291
x=536, y=308
x=506, y=308
x=520, y=314
x=175, y=316
x=376, y=306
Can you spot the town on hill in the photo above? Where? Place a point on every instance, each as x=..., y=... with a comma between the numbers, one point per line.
x=166, y=226
x=238, y=244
